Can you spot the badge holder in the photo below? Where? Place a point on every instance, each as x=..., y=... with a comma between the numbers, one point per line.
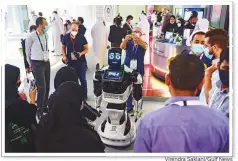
x=133, y=64
x=73, y=57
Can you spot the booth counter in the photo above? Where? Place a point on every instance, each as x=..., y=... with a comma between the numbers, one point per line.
x=161, y=52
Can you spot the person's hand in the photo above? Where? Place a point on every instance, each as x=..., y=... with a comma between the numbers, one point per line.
x=47, y=60
x=128, y=37
x=23, y=96
x=32, y=95
x=80, y=54
x=65, y=59
x=211, y=69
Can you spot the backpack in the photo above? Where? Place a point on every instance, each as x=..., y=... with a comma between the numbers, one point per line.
x=19, y=138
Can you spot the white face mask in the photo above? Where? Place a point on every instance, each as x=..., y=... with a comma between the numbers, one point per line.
x=179, y=24
x=74, y=33
x=138, y=34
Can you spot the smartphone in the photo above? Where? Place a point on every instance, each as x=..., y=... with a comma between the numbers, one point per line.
x=129, y=32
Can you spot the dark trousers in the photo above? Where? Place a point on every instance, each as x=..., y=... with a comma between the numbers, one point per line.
x=41, y=72
x=80, y=68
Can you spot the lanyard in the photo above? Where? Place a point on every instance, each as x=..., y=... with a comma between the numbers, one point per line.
x=73, y=41
x=129, y=25
x=46, y=46
x=134, y=50
x=188, y=103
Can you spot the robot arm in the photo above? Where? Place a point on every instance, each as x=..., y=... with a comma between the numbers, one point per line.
x=137, y=85
x=97, y=85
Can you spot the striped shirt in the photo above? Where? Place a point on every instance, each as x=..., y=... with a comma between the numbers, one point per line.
x=219, y=99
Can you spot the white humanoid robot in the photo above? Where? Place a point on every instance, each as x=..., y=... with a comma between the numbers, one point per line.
x=114, y=84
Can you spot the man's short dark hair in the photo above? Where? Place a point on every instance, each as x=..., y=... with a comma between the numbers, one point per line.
x=219, y=40
x=32, y=27
x=129, y=17
x=39, y=21
x=118, y=21
x=186, y=72
x=81, y=19
x=198, y=33
x=215, y=32
x=224, y=55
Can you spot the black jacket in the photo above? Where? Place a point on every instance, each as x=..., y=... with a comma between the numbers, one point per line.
x=23, y=42
x=116, y=34
x=82, y=29
x=126, y=28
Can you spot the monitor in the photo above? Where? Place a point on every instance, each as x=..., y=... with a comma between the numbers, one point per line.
x=113, y=75
x=168, y=35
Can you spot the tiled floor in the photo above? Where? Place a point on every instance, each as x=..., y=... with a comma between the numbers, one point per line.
x=152, y=86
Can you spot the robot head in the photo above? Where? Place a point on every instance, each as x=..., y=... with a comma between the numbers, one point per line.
x=114, y=57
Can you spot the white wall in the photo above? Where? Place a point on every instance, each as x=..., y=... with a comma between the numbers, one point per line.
x=134, y=10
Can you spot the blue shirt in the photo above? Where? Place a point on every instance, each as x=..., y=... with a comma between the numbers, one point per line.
x=79, y=42
x=137, y=53
x=175, y=129
x=219, y=100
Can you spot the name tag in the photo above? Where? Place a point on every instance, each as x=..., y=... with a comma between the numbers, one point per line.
x=73, y=57
x=133, y=64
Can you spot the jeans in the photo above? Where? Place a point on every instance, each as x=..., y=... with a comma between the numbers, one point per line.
x=80, y=68
x=41, y=72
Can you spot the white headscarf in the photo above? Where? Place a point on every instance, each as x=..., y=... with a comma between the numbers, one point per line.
x=201, y=26
x=145, y=27
x=56, y=19
x=99, y=34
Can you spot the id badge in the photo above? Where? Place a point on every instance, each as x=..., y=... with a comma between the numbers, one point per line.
x=73, y=57
x=133, y=64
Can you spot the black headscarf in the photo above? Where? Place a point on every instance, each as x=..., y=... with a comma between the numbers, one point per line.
x=12, y=74
x=65, y=126
x=63, y=75
x=171, y=27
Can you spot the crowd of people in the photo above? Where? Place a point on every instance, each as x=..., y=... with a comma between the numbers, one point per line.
x=198, y=82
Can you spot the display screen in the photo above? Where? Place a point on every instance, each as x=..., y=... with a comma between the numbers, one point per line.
x=188, y=12
x=113, y=75
x=216, y=16
x=168, y=35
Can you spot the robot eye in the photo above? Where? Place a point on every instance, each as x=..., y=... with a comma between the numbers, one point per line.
x=118, y=56
x=111, y=56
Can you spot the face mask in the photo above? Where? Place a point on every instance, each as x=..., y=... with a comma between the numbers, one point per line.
x=206, y=52
x=138, y=34
x=45, y=29
x=224, y=77
x=197, y=49
x=179, y=24
x=74, y=33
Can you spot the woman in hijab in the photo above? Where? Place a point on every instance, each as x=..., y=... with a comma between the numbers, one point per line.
x=180, y=26
x=66, y=130
x=171, y=26
x=19, y=114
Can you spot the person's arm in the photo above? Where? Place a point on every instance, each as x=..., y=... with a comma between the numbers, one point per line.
x=143, y=141
x=208, y=81
x=24, y=55
x=124, y=42
x=28, y=45
x=85, y=46
x=140, y=42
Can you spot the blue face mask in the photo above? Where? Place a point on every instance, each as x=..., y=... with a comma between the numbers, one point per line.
x=45, y=29
x=206, y=52
x=197, y=49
